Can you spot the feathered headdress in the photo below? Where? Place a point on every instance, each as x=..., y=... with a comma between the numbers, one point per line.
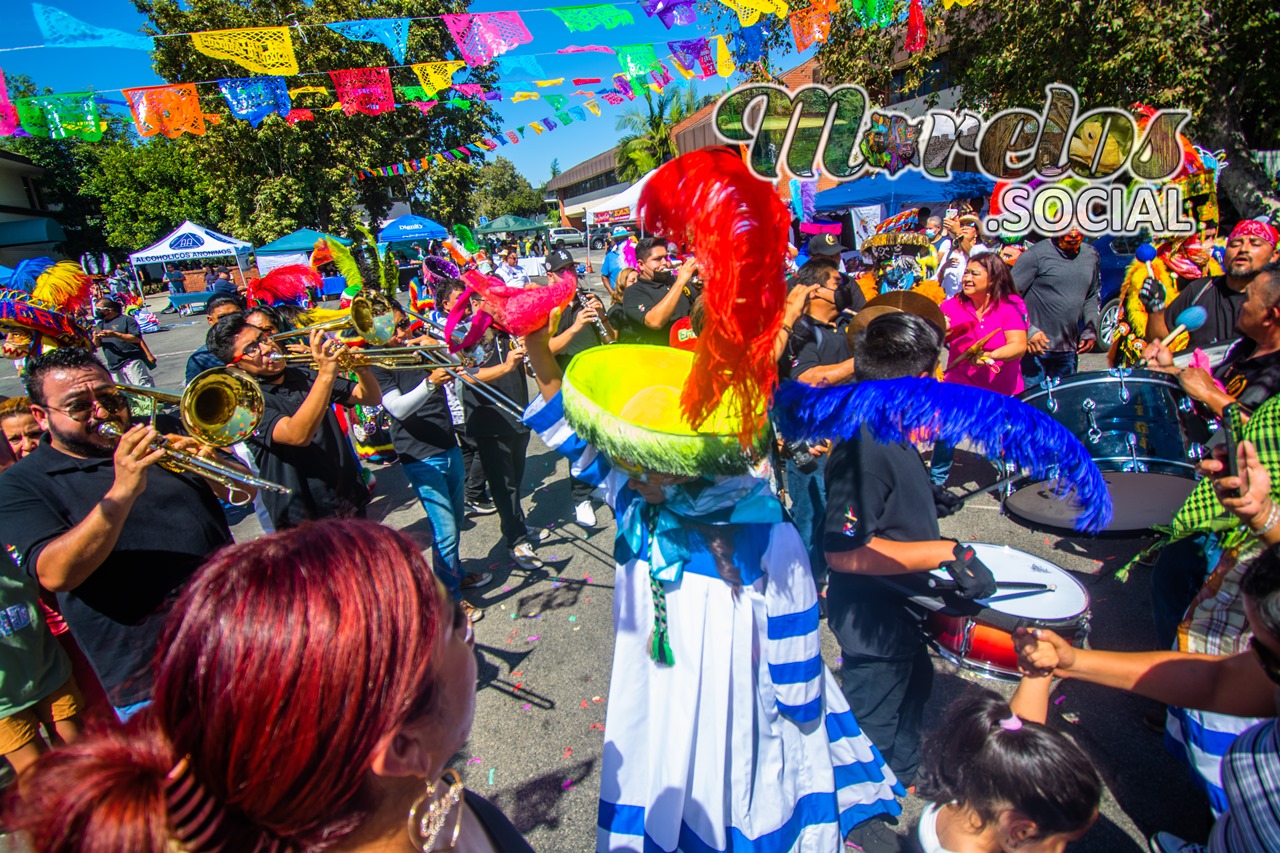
x=517, y=310
x=286, y=285
x=468, y=239
x=340, y=256
x=910, y=409
x=737, y=225
x=39, y=311
x=321, y=255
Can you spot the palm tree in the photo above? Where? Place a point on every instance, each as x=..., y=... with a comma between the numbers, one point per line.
x=647, y=141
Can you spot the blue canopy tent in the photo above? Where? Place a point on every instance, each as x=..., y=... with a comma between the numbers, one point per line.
x=411, y=227
x=292, y=248
x=5, y=274
x=909, y=188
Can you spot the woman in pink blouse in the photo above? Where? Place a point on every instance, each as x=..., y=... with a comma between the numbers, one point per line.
x=986, y=338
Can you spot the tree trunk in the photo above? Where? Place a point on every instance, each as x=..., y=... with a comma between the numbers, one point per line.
x=1243, y=181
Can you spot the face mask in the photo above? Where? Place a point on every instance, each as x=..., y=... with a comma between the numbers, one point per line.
x=101, y=313
x=1071, y=242
x=843, y=297
x=663, y=277
x=931, y=233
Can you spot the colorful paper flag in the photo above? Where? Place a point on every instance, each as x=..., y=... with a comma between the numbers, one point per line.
x=391, y=33
x=364, y=90
x=252, y=99
x=581, y=19
x=170, y=110
x=62, y=30
x=483, y=36
x=262, y=50
x=437, y=76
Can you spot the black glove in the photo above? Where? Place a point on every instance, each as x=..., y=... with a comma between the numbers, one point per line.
x=945, y=502
x=1152, y=295
x=974, y=579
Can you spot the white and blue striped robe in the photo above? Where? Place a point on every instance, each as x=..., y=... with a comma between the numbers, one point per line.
x=746, y=743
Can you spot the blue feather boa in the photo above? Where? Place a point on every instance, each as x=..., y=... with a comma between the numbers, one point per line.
x=999, y=427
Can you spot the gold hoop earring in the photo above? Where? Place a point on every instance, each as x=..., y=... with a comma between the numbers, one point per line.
x=425, y=826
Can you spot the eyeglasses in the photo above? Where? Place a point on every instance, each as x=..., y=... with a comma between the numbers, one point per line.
x=80, y=409
x=403, y=325
x=1268, y=659
x=253, y=350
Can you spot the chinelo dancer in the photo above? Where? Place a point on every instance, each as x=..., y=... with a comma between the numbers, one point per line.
x=725, y=729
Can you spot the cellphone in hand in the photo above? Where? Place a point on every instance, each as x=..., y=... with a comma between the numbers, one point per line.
x=952, y=213
x=1233, y=464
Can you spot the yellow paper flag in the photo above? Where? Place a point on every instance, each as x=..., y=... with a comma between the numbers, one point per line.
x=263, y=50
x=537, y=127
x=725, y=65
x=543, y=83
x=435, y=76
x=524, y=96
x=593, y=106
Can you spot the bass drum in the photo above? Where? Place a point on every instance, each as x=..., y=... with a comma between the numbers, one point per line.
x=1142, y=431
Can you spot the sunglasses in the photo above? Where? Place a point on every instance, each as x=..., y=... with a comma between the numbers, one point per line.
x=1268, y=659
x=81, y=409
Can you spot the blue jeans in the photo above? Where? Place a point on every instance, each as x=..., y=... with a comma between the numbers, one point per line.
x=940, y=463
x=809, y=513
x=1049, y=365
x=438, y=482
x=1178, y=573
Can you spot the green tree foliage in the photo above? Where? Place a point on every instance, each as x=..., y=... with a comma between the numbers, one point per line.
x=446, y=192
x=500, y=190
x=647, y=141
x=1215, y=60
x=270, y=180
x=555, y=167
x=147, y=190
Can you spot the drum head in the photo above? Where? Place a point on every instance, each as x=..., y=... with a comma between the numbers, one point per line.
x=1066, y=601
x=1139, y=501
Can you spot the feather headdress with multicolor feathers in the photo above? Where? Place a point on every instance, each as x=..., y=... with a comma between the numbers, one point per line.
x=737, y=226
x=39, y=311
x=517, y=310
x=286, y=285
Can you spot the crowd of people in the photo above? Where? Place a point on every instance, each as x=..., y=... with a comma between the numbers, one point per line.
x=219, y=725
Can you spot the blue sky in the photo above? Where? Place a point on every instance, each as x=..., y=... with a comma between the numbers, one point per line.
x=103, y=69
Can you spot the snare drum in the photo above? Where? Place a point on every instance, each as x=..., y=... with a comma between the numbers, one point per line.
x=983, y=642
x=1144, y=435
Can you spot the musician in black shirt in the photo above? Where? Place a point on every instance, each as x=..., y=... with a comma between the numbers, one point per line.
x=658, y=297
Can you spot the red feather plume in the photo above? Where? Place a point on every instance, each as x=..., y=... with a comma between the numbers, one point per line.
x=520, y=310
x=737, y=226
x=917, y=32
x=286, y=285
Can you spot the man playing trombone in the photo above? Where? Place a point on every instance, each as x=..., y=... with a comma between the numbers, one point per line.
x=422, y=432
x=114, y=535
x=298, y=442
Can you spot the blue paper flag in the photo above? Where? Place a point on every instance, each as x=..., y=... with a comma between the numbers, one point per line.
x=254, y=98
x=391, y=33
x=509, y=66
x=61, y=30
x=748, y=42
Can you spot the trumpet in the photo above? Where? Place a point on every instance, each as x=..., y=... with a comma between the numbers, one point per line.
x=388, y=358
x=371, y=319
x=218, y=408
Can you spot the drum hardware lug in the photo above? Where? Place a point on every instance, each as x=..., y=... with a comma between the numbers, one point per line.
x=1095, y=434
x=1133, y=464
x=1050, y=403
x=1124, y=391
x=1197, y=452
x=1186, y=405
x=1213, y=425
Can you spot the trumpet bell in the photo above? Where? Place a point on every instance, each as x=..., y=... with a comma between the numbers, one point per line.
x=220, y=408
x=373, y=319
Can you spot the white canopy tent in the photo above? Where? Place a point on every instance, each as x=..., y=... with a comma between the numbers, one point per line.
x=617, y=208
x=190, y=242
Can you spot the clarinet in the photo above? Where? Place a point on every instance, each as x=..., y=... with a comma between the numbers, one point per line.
x=582, y=304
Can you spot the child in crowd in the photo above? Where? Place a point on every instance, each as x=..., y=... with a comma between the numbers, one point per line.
x=1001, y=781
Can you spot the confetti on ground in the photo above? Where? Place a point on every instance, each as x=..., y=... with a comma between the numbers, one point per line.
x=1047, y=542
x=519, y=684
x=517, y=672
x=1059, y=700
x=584, y=703
x=525, y=707
x=568, y=752
x=555, y=584
x=1071, y=717
x=839, y=661
x=596, y=726
x=506, y=589
x=587, y=580
x=596, y=699
x=573, y=618
x=515, y=615
x=535, y=616
x=491, y=769
x=567, y=784
x=535, y=638
x=473, y=761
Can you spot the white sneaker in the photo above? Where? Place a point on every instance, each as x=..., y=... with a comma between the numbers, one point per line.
x=1165, y=842
x=522, y=555
x=585, y=514
x=538, y=535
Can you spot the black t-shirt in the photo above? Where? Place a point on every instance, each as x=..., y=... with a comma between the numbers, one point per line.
x=427, y=431
x=880, y=490
x=586, y=338
x=1220, y=302
x=638, y=299
x=116, y=352
x=1252, y=381
x=484, y=417
x=324, y=475
x=813, y=344
x=117, y=614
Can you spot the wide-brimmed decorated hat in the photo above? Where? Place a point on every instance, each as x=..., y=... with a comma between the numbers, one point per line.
x=38, y=311
x=625, y=400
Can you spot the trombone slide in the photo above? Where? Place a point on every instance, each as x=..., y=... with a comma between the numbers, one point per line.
x=184, y=461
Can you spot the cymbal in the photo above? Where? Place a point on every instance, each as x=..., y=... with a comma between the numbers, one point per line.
x=897, y=300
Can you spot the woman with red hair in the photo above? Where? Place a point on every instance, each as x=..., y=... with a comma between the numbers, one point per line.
x=308, y=697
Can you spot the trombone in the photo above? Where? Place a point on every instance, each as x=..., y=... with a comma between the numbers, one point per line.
x=371, y=319
x=388, y=358
x=218, y=408
x=454, y=369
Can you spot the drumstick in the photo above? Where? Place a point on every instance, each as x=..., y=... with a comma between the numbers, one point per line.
x=946, y=584
x=1023, y=594
x=998, y=484
x=1188, y=321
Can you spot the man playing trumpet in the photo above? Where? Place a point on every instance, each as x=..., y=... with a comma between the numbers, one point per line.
x=101, y=525
x=298, y=442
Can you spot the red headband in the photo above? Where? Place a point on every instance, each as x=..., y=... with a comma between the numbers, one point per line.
x=1254, y=228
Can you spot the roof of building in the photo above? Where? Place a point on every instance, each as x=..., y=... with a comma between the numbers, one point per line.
x=597, y=165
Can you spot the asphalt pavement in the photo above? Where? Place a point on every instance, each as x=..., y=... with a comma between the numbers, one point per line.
x=545, y=649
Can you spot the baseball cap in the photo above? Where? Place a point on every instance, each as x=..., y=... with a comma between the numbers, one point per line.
x=825, y=245
x=559, y=259
x=619, y=232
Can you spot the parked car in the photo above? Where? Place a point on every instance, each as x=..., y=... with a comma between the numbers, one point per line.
x=570, y=236
x=1115, y=253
